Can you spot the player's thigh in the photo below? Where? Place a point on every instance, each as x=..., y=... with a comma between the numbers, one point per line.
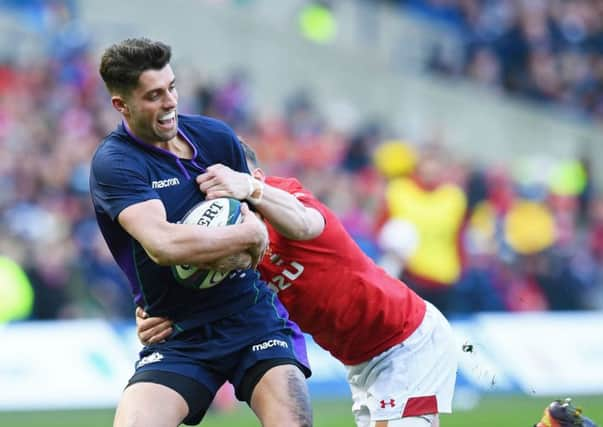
x=431, y=420
x=150, y=405
x=281, y=397
x=197, y=390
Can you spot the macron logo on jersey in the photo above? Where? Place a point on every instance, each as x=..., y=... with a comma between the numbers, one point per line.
x=268, y=344
x=162, y=183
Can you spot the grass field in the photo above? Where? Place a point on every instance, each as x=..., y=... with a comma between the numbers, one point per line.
x=507, y=411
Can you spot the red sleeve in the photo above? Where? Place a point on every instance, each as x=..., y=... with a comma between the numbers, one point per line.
x=294, y=187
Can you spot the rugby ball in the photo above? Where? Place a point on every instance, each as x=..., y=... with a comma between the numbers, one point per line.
x=208, y=213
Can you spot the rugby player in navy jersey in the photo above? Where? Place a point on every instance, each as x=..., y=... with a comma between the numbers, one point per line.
x=142, y=182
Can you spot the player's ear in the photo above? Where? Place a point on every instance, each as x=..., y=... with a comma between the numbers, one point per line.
x=120, y=105
x=258, y=173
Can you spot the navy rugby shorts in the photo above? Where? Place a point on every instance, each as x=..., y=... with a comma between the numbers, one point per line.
x=239, y=348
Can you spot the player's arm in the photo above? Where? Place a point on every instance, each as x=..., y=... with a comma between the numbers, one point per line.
x=288, y=215
x=168, y=243
x=285, y=213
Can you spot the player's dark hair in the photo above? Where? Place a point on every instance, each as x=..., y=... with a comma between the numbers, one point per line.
x=249, y=153
x=123, y=63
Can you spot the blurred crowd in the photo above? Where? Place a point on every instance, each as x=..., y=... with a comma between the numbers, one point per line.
x=549, y=51
x=469, y=237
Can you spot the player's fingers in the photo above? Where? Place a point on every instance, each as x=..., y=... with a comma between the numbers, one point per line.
x=219, y=172
x=140, y=313
x=215, y=167
x=214, y=194
x=161, y=331
x=205, y=185
x=248, y=215
x=143, y=336
x=221, y=178
x=160, y=337
x=258, y=259
x=156, y=333
x=150, y=323
x=205, y=176
x=255, y=260
x=208, y=184
x=202, y=177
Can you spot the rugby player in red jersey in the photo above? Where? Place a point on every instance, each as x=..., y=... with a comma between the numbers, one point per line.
x=398, y=349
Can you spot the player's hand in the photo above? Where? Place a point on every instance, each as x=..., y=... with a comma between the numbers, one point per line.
x=240, y=261
x=250, y=219
x=152, y=330
x=221, y=181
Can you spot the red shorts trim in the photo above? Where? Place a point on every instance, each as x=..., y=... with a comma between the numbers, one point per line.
x=422, y=405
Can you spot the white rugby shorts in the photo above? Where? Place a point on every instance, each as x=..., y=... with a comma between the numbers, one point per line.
x=410, y=379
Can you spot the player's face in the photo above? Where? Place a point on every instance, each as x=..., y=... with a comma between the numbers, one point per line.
x=151, y=107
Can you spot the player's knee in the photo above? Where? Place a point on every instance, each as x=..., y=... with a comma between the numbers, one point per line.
x=132, y=417
x=137, y=417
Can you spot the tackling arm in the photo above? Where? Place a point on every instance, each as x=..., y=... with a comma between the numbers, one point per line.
x=289, y=216
x=285, y=213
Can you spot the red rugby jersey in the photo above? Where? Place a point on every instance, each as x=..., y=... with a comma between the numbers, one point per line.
x=336, y=293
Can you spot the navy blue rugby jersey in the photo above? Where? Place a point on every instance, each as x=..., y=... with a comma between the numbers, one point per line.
x=126, y=171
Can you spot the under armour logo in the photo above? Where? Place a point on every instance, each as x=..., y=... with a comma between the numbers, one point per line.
x=391, y=403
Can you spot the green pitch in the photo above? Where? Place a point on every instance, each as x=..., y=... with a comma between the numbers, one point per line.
x=493, y=411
